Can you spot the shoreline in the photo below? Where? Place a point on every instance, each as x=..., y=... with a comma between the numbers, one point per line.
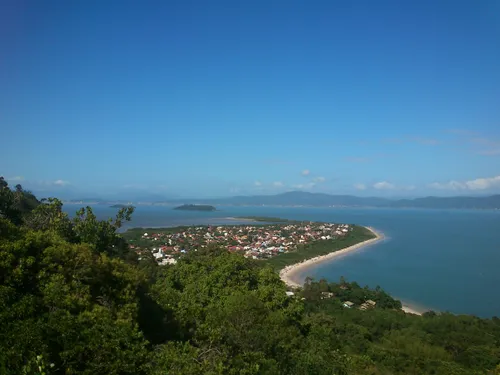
x=239, y=219
x=411, y=310
x=291, y=275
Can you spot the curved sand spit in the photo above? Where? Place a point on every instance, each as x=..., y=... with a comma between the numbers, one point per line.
x=291, y=275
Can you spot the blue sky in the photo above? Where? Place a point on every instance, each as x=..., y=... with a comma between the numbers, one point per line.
x=217, y=98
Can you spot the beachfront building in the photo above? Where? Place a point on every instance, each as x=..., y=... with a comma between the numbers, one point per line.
x=369, y=304
x=327, y=295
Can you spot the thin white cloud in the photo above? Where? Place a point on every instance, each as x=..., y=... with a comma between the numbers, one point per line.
x=278, y=184
x=257, y=183
x=488, y=146
x=479, y=143
x=305, y=172
x=450, y=185
x=15, y=178
x=309, y=185
x=483, y=183
x=319, y=179
x=383, y=185
x=477, y=184
x=61, y=183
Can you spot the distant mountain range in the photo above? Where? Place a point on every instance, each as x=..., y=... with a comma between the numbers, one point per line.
x=490, y=202
x=298, y=198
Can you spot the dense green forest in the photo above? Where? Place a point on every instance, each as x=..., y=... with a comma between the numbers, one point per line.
x=75, y=300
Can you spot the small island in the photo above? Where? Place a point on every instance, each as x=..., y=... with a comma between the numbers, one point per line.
x=121, y=205
x=195, y=207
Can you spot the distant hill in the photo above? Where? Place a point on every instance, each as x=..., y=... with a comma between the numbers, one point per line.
x=298, y=198
x=195, y=207
x=491, y=202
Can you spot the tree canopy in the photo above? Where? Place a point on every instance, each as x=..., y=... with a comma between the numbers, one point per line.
x=74, y=299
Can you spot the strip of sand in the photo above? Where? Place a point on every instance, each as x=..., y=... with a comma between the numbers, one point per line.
x=291, y=275
x=410, y=310
x=239, y=219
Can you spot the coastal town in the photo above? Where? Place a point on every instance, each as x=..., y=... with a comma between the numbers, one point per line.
x=253, y=241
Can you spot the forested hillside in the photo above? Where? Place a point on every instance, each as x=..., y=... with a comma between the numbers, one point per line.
x=74, y=299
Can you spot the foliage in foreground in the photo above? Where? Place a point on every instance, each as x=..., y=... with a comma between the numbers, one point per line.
x=74, y=300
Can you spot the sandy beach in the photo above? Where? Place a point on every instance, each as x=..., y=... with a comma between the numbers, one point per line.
x=293, y=275
x=410, y=310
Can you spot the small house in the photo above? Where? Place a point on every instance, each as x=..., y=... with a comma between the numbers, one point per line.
x=369, y=304
x=348, y=304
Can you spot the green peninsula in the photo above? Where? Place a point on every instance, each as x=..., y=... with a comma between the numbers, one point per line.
x=195, y=207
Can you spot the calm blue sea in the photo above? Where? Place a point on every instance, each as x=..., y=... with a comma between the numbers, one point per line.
x=446, y=260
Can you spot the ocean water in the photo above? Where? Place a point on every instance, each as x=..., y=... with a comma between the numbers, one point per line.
x=445, y=260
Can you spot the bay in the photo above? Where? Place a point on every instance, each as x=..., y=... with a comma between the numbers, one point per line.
x=445, y=260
